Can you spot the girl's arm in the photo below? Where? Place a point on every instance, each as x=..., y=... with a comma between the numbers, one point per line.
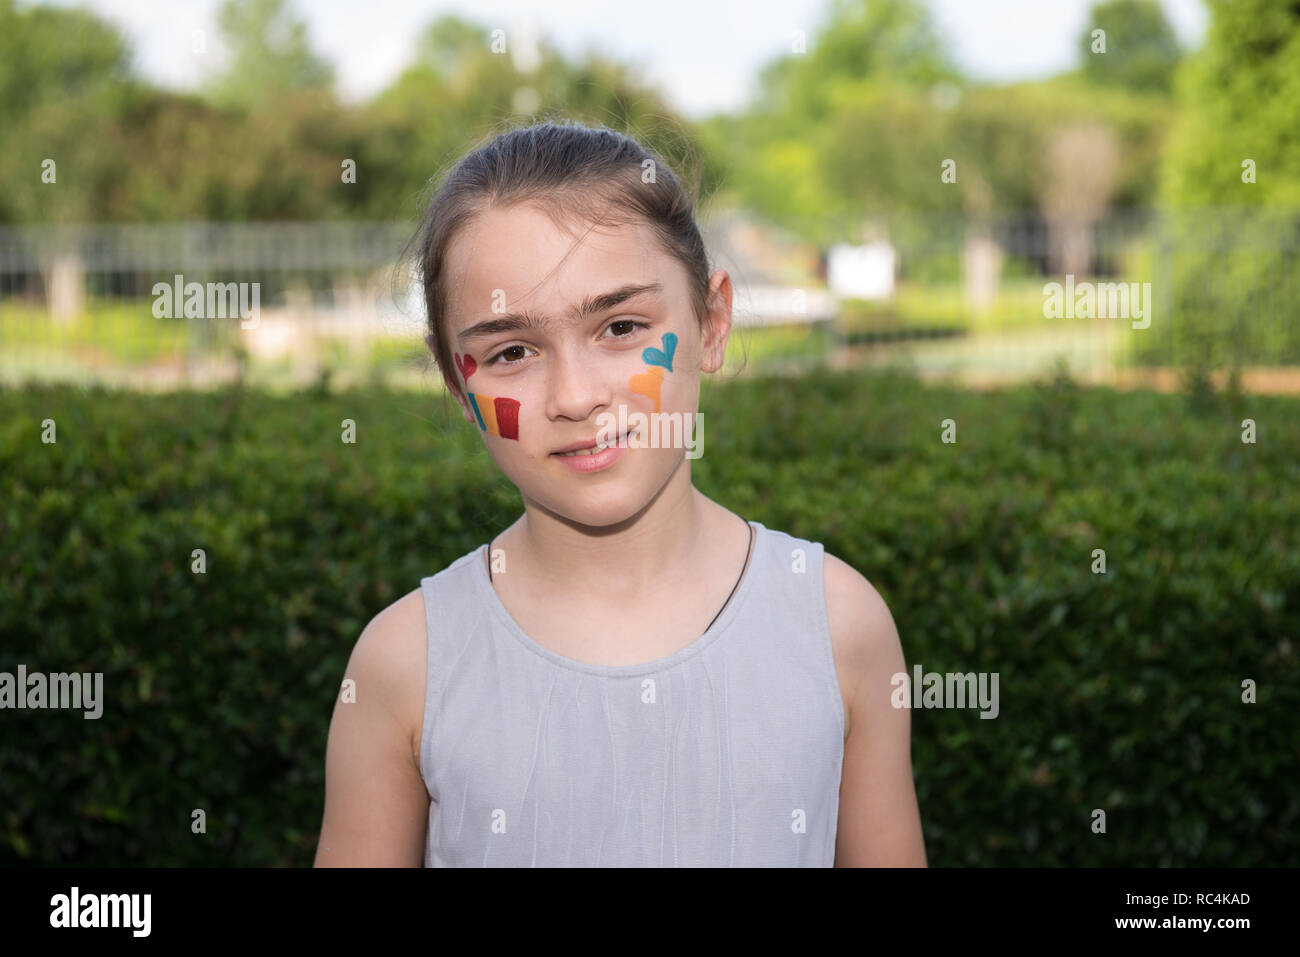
x=376, y=803
x=879, y=821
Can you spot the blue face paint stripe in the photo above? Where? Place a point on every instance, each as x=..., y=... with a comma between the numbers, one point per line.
x=477, y=414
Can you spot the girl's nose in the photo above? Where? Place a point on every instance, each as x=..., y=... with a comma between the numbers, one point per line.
x=574, y=390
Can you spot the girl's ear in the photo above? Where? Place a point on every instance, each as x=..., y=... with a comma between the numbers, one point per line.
x=717, y=322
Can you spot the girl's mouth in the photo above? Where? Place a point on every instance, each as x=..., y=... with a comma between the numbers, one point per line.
x=598, y=448
x=595, y=459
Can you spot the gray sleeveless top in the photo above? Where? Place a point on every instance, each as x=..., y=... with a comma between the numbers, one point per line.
x=727, y=753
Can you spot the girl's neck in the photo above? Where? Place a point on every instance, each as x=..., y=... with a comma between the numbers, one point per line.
x=662, y=542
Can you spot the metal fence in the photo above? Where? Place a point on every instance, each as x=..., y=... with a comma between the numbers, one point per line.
x=1140, y=295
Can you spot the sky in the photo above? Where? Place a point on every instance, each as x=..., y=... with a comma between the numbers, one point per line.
x=704, y=56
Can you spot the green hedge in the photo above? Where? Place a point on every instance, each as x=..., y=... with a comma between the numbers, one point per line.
x=1118, y=691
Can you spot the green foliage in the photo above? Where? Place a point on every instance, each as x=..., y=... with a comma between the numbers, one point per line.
x=1232, y=285
x=267, y=138
x=1238, y=101
x=219, y=686
x=269, y=55
x=1004, y=138
x=833, y=142
x=449, y=44
x=857, y=125
x=48, y=54
x=1119, y=691
x=860, y=39
x=885, y=149
x=1141, y=47
x=1226, y=287
x=62, y=79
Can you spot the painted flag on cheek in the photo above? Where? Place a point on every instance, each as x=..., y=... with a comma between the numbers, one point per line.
x=496, y=416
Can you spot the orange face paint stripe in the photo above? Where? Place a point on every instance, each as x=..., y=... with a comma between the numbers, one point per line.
x=487, y=411
x=477, y=414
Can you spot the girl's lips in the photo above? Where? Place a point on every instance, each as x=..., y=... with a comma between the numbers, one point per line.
x=596, y=461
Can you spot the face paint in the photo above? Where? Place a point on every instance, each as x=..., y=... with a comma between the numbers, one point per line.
x=648, y=383
x=466, y=365
x=496, y=416
x=662, y=357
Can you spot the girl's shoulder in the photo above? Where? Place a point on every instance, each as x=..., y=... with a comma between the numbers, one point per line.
x=393, y=650
x=389, y=663
x=864, y=638
x=851, y=596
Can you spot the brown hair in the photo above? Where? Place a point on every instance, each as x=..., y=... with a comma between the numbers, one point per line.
x=573, y=173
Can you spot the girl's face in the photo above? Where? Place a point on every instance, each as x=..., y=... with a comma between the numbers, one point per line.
x=551, y=337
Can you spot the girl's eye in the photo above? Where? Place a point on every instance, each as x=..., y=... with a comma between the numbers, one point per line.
x=628, y=322
x=499, y=358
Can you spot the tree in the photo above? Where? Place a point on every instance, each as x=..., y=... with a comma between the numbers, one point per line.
x=837, y=130
x=49, y=54
x=888, y=40
x=1240, y=99
x=62, y=73
x=1231, y=180
x=448, y=43
x=1141, y=49
x=269, y=55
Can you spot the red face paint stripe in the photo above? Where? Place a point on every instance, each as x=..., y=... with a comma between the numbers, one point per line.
x=507, y=418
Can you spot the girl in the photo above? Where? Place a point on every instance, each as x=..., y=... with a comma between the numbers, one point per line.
x=630, y=674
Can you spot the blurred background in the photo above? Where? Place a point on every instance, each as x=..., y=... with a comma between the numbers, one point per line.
x=897, y=187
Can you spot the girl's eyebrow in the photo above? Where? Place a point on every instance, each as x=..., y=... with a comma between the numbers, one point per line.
x=513, y=321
